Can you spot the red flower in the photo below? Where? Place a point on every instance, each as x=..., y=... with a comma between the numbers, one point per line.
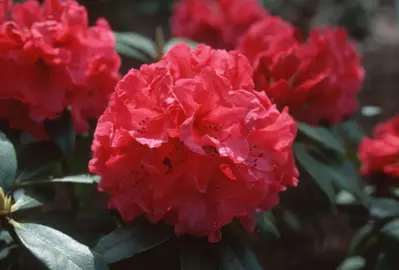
x=317, y=80
x=218, y=23
x=187, y=140
x=381, y=153
x=50, y=60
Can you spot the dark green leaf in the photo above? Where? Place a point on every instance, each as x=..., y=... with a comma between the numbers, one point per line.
x=353, y=263
x=370, y=111
x=346, y=177
x=62, y=132
x=8, y=163
x=354, y=131
x=78, y=179
x=391, y=230
x=38, y=159
x=238, y=257
x=196, y=255
x=137, y=41
x=25, y=199
x=129, y=51
x=386, y=263
x=360, y=238
x=383, y=207
x=172, y=42
x=316, y=170
x=322, y=135
x=57, y=250
x=267, y=224
x=291, y=220
x=128, y=241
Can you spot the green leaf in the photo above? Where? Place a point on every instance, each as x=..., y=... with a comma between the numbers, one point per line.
x=383, y=207
x=384, y=262
x=8, y=163
x=354, y=130
x=137, y=41
x=316, y=170
x=172, y=42
x=62, y=132
x=346, y=177
x=353, y=263
x=391, y=230
x=25, y=199
x=57, y=250
x=130, y=240
x=291, y=220
x=370, y=111
x=77, y=179
x=33, y=164
x=345, y=198
x=238, y=257
x=129, y=51
x=360, y=238
x=196, y=255
x=322, y=136
x=267, y=224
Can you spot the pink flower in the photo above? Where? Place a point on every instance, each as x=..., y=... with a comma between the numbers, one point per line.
x=218, y=23
x=187, y=140
x=381, y=153
x=50, y=60
x=318, y=80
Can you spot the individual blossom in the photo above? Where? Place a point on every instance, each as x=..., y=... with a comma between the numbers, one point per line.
x=218, y=23
x=187, y=140
x=318, y=80
x=381, y=153
x=51, y=60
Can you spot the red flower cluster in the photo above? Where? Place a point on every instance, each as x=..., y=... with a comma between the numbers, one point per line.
x=50, y=60
x=187, y=140
x=218, y=23
x=318, y=80
x=381, y=153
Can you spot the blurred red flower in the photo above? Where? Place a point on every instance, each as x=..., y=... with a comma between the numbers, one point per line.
x=318, y=80
x=187, y=140
x=218, y=23
x=50, y=60
x=381, y=153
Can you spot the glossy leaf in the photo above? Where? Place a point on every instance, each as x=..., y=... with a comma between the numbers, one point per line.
x=353, y=263
x=322, y=136
x=360, y=238
x=25, y=199
x=383, y=207
x=172, y=42
x=238, y=257
x=137, y=41
x=129, y=51
x=77, y=179
x=315, y=169
x=354, y=130
x=391, y=230
x=57, y=250
x=127, y=241
x=62, y=132
x=33, y=164
x=8, y=163
x=370, y=111
x=267, y=224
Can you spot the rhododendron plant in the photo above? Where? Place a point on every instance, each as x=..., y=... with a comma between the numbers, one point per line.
x=187, y=140
x=381, y=152
x=51, y=60
x=218, y=23
x=318, y=80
